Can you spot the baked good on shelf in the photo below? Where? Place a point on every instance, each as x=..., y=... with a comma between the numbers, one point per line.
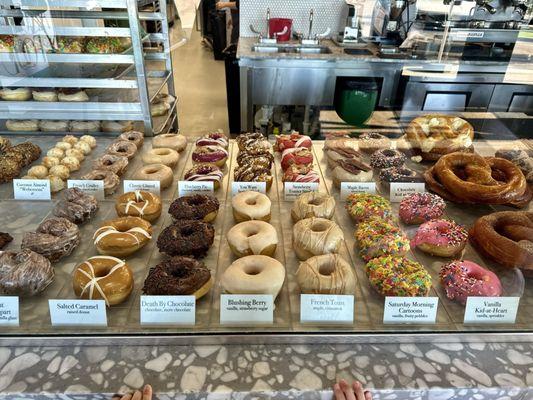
x=109, y=162
x=159, y=108
x=122, y=148
x=5, y=239
x=70, y=139
x=213, y=139
x=28, y=152
x=313, y=204
x=61, y=171
x=63, y=146
x=255, y=274
x=56, y=183
x=398, y=175
x=421, y=207
x=161, y=155
x=55, y=152
x=111, y=180
x=336, y=153
x=53, y=126
x=104, y=45
x=363, y=206
x=378, y=237
x=293, y=140
x=253, y=172
x=370, y=142
x=197, y=206
x=135, y=137
x=398, y=276
x=77, y=206
x=296, y=156
x=72, y=95
x=440, y=237
x=21, y=125
x=10, y=168
x=103, y=278
x=71, y=163
x=15, y=94
x=351, y=170
x=186, y=237
x=54, y=238
x=246, y=141
x=122, y=236
x=521, y=158
x=24, y=273
x=7, y=43
x=5, y=144
x=90, y=140
x=205, y=173
x=65, y=44
x=156, y=172
x=83, y=147
x=140, y=203
x=171, y=141
x=210, y=154
x=250, y=205
x=76, y=154
x=252, y=237
x=506, y=237
x=117, y=126
x=44, y=94
x=264, y=160
x=14, y=158
x=316, y=236
x=84, y=126
x=38, y=172
x=50, y=162
x=387, y=158
x=301, y=173
x=178, y=276
x=462, y=279
x=326, y=274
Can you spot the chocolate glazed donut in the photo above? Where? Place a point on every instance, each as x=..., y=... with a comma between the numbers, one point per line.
x=54, y=238
x=186, y=238
x=197, y=206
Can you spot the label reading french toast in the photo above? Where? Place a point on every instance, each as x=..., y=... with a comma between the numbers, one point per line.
x=323, y=308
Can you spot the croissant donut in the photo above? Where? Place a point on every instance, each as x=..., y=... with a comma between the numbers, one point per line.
x=506, y=237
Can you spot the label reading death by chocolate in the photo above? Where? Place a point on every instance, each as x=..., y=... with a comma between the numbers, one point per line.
x=492, y=310
x=147, y=186
x=400, y=190
x=246, y=309
x=326, y=308
x=186, y=188
x=294, y=189
x=168, y=310
x=9, y=311
x=95, y=188
x=78, y=312
x=410, y=310
x=239, y=187
x=348, y=188
x=32, y=189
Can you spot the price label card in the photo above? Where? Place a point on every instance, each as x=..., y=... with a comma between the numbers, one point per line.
x=186, y=188
x=9, y=311
x=348, y=188
x=78, y=312
x=492, y=310
x=32, y=189
x=239, y=187
x=294, y=189
x=96, y=188
x=410, y=310
x=148, y=186
x=246, y=309
x=168, y=310
x=326, y=308
x=400, y=190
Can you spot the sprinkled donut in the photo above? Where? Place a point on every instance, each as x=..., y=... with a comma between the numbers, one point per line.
x=378, y=237
x=387, y=158
x=421, y=207
x=362, y=206
x=440, y=237
x=197, y=206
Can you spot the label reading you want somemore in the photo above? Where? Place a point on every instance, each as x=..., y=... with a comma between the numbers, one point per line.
x=78, y=312
x=31, y=189
x=492, y=310
x=246, y=309
x=410, y=310
x=326, y=308
x=168, y=310
x=239, y=187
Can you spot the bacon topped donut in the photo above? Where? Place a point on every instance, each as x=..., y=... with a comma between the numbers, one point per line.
x=296, y=155
x=284, y=142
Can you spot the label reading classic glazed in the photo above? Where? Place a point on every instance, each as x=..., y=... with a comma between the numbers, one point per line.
x=9, y=311
x=492, y=310
x=400, y=190
x=186, y=188
x=31, y=189
x=294, y=189
x=148, y=186
x=239, y=187
x=348, y=188
x=168, y=310
x=78, y=312
x=410, y=310
x=95, y=188
x=326, y=308
x=246, y=309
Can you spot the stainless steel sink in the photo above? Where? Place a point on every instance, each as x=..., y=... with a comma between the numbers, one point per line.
x=288, y=49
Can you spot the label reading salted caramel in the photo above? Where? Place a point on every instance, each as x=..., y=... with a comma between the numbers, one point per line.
x=410, y=310
x=186, y=188
x=239, y=187
x=148, y=186
x=9, y=311
x=31, y=189
x=294, y=189
x=246, y=309
x=348, y=188
x=492, y=310
x=95, y=188
x=168, y=310
x=316, y=308
x=400, y=190
x=78, y=312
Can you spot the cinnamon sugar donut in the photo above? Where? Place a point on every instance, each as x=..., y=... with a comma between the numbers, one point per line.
x=161, y=155
x=122, y=148
x=156, y=172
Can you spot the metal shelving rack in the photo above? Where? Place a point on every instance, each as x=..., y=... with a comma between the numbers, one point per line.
x=133, y=65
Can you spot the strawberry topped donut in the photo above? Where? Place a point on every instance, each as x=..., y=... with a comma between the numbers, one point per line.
x=296, y=155
x=301, y=173
x=421, y=207
x=440, y=237
x=293, y=140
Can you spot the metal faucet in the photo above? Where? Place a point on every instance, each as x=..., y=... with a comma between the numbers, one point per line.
x=311, y=16
x=311, y=40
x=263, y=39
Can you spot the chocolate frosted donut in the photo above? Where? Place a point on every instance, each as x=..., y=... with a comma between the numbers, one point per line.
x=399, y=174
x=54, y=238
x=387, y=158
x=137, y=138
x=25, y=273
x=122, y=148
x=197, y=206
x=111, y=180
x=186, y=238
x=113, y=163
x=253, y=173
x=246, y=139
x=77, y=206
x=178, y=276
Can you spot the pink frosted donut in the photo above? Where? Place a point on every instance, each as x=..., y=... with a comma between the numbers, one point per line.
x=210, y=154
x=213, y=139
x=440, y=237
x=462, y=279
x=421, y=207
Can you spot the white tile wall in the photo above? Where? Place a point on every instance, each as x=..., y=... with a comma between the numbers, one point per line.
x=328, y=14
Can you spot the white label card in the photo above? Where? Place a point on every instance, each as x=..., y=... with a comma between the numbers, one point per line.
x=239, y=187
x=348, y=188
x=247, y=309
x=410, y=310
x=95, y=188
x=400, y=190
x=326, y=308
x=78, y=312
x=148, y=186
x=168, y=310
x=186, y=188
x=294, y=189
x=32, y=189
x=492, y=310
x=9, y=311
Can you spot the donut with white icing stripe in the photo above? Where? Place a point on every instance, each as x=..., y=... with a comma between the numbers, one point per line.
x=139, y=203
x=293, y=140
x=123, y=236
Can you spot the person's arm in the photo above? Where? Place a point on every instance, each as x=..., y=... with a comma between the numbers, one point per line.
x=226, y=4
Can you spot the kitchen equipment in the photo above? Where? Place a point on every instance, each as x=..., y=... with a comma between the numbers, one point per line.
x=355, y=100
x=351, y=30
x=280, y=29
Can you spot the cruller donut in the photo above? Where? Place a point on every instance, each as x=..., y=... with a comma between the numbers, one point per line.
x=313, y=204
x=139, y=203
x=123, y=236
x=326, y=274
x=54, y=238
x=316, y=236
x=251, y=205
x=253, y=237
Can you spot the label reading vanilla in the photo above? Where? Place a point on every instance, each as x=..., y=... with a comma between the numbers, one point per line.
x=294, y=189
x=78, y=312
x=32, y=189
x=168, y=310
x=400, y=190
x=94, y=187
x=148, y=186
x=244, y=309
x=187, y=188
x=410, y=310
x=326, y=308
x=9, y=311
x=348, y=188
x=492, y=310
x=239, y=187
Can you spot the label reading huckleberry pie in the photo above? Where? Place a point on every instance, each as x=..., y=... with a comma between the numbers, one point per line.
x=293, y=190
x=187, y=188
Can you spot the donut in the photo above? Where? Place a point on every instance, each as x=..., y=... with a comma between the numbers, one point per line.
x=293, y=140
x=398, y=276
x=44, y=94
x=263, y=160
x=63, y=146
x=197, y=206
x=90, y=140
x=5, y=239
x=137, y=138
x=186, y=237
x=316, y=236
x=84, y=147
x=117, y=126
x=335, y=154
x=255, y=274
x=247, y=140
x=161, y=155
x=462, y=279
x=50, y=162
x=56, y=183
x=440, y=237
x=139, y=203
x=252, y=237
x=104, y=45
x=253, y=173
x=61, y=171
x=213, y=139
x=71, y=163
x=362, y=206
x=313, y=204
x=178, y=276
x=326, y=274
x=170, y=141
x=387, y=158
x=398, y=174
x=301, y=173
x=54, y=238
x=256, y=147
x=250, y=205
x=159, y=108
x=38, y=172
x=371, y=142
x=156, y=172
x=103, y=278
x=29, y=125
x=5, y=144
x=72, y=95
x=352, y=170
x=53, y=126
x=421, y=207
x=210, y=154
x=76, y=154
x=84, y=126
x=111, y=180
x=7, y=43
x=122, y=236
x=109, y=162
x=24, y=273
x=296, y=155
x=15, y=94
x=378, y=237
x=76, y=206
x=122, y=148
x=205, y=173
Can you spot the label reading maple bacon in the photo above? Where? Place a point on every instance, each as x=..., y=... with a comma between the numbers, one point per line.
x=348, y=188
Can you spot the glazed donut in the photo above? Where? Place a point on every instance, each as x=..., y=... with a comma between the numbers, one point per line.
x=156, y=172
x=50, y=162
x=25, y=273
x=38, y=172
x=53, y=126
x=111, y=180
x=76, y=154
x=84, y=126
x=252, y=237
x=90, y=140
x=293, y=140
x=387, y=158
x=16, y=94
x=313, y=204
x=61, y=171
x=378, y=237
x=253, y=173
x=371, y=142
x=301, y=173
x=186, y=238
x=205, y=173
x=316, y=236
x=44, y=94
x=77, y=206
x=210, y=154
x=213, y=139
x=250, y=205
x=363, y=206
x=71, y=163
x=161, y=155
x=137, y=138
x=84, y=147
x=462, y=279
x=296, y=155
x=254, y=275
x=170, y=141
x=122, y=148
x=109, y=162
x=421, y=207
x=178, y=276
x=22, y=125
x=72, y=95
x=440, y=237
x=54, y=238
x=196, y=206
x=122, y=236
x=140, y=203
x=103, y=278
x=117, y=126
x=326, y=274
x=352, y=170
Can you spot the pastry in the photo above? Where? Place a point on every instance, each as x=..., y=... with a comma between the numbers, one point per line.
x=25, y=273
x=72, y=94
x=135, y=137
x=71, y=163
x=7, y=43
x=440, y=237
x=61, y=171
x=197, y=206
x=57, y=184
x=297, y=156
x=76, y=154
x=163, y=156
x=156, y=172
x=387, y=158
x=159, y=108
x=122, y=236
x=83, y=147
x=284, y=142
x=70, y=139
x=213, y=139
x=521, y=159
x=53, y=126
x=122, y=148
x=171, y=141
x=253, y=172
x=372, y=141
x=15, y=94
x=205, y=173
x=140, y=203
x=301, y=173
x=104, y=45
x=326, y=274
x=117, y=126
x=5, y=144
x=77, y=206
x=5, y=239
x=265, y=160
x=111, y=180
x=22, y=125
x=421, y=207
x=378, y=237
x=250, y=205
x=63, y=146
x=363, y=206
x=336, y=153
x=253, y=142
x=68, y=45
x=44, y=94
x=108, y=162
x=50, y=162
x=316, y=236
x=56, y=153
x=398, y=175
x=352, y=170
x=186, y=238
x=210, y=154
x=38, y=172
x=84, y=126
x=313, y=204
x=252, y=237
x=90, y=140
